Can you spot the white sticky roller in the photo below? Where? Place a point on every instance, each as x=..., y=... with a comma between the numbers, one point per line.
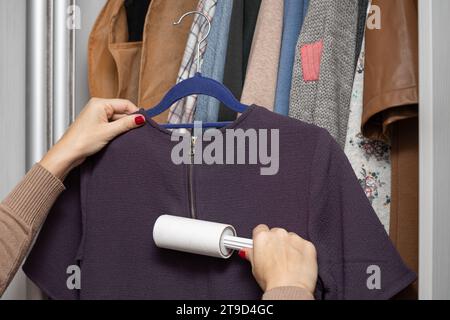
x=197, y=236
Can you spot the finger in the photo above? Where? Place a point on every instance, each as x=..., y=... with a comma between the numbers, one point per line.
x=279, y=231
x=119, y=106
x=296, y=240
x=293, y=235
x=118, y=116
x=125, y=124
x=259, y=229
x=309, y=248
x=304, y=245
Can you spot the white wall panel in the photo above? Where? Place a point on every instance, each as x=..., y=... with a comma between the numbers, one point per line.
x=12, y=108
x=434, y=222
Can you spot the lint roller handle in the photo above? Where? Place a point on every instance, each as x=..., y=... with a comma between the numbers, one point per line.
x=237, y=243
x=197, y=236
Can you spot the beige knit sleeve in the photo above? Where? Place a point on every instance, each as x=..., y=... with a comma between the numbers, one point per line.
x=21, y=215
x=288, y=293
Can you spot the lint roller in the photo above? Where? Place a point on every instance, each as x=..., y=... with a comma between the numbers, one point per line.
x=198, y=236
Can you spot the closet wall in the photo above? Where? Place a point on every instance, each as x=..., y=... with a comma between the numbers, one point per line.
x=434, y=222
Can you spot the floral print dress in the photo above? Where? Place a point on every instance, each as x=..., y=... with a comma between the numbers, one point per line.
x=370, y=159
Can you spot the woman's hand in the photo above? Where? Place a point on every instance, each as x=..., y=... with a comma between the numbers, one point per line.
x=282, y=259
x=99, y=123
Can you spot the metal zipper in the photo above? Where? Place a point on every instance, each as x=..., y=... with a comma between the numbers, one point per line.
x=190, y=179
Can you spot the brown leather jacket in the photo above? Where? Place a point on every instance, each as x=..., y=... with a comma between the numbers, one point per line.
x=390, y=113
x=391, y=71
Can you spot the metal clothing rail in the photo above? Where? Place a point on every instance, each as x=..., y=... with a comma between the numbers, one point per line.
x=50, y=94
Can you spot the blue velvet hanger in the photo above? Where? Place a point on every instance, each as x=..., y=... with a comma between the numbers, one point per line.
x=197, y=85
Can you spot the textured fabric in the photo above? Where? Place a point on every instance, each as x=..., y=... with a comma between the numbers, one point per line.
x=207, y=109
x=370, y=159
x=23, y=212
x=288, y=293
x=294, y=14
x=326, y=102
x=132, y=70
x=183, y=110
x=391, y=90
x=133, y=181
x=21, y=215
x=262, y=72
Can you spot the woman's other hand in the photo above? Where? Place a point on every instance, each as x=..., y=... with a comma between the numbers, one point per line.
x=99, y=122
x=282, y=259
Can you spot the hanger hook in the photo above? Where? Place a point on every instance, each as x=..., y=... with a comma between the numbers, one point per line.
x=199, y=43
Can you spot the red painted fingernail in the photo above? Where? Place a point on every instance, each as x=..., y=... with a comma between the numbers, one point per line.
x=242, y=254
x=139, y=120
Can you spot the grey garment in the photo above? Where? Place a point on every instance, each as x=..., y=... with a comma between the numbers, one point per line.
x=207, y=109
x=326, y=102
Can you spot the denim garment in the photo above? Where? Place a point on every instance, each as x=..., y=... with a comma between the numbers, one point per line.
x=294, y=14
x=207, y=109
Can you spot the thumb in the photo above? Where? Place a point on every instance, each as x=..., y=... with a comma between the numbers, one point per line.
x=125, y=124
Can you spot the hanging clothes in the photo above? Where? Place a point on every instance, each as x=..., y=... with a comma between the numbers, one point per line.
x=242, y=28
x=390, y=113
x=207, y=109
x=294, y=14
x=183, y=110
x=103, y=221
x=252, y=9
x=370, y=159
x=136, y=14
x=131, y=70
x=262, y=72
x=233, y=74
x=324, y=66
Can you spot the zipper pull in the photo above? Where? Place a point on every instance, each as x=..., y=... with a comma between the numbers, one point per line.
x=193, y=140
